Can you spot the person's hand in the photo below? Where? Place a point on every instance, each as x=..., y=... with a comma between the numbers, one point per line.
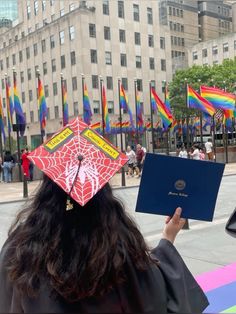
x=173, y=225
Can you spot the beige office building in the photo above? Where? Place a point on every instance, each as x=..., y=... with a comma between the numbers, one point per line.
x=213, y=51
x=112, y=39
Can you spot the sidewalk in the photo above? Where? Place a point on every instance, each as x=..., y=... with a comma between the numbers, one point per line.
x=10, y=192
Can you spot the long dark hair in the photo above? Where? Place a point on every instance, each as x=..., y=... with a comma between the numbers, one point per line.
x=81, y=252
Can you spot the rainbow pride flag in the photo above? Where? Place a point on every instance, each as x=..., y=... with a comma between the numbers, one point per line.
x=87, y=113
x=96, y=126
x=218, y=98
x=165, y=114
x=65, y=112
x=20, y=117
x=42, y=107
x=2, y=131
x=10, y=107
x=106, y=121
x=167, y=99
x=124, y=104
x=196, y=101
x=139, y=112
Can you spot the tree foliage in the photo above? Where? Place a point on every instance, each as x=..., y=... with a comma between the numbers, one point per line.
x=221, y=76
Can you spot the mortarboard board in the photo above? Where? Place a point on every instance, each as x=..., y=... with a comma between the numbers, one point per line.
x=79, y=160
x=170, y=182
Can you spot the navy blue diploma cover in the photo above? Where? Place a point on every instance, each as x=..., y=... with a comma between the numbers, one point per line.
x=171, y=182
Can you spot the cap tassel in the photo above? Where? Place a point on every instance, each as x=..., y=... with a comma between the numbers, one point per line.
x=69, y=205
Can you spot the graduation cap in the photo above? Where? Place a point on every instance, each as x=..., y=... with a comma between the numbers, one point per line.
x=79, y=160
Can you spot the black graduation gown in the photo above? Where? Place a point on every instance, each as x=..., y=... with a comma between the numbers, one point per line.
x=168, y=288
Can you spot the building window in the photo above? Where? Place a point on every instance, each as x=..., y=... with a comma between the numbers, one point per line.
x=76, y=108
x=122, y=35
x=139, y=85
x=109, y=82
x=136, y=12
x=35, y=47
x=45, y=70
x=54, y=86
x=108, y=57
x=43, y=43
x=71, y=7
x=152, y=63
x=150, y=41
x=93, y=56
x=105, y=7
x=72, y=58
x=72, y=32
x=1, y=64
x=36, y=7
x=30, y=95
x=214, y=50
x=28, y=52
x=110, y=106
x=138, y=62
x=137, y=38
x=163, y=65
x=23, y=97
x=182, y=28
x=7, y=62
x=124, y=82
x=74, y=83
x=62, y=37
x=43, y=5
x=62, y=12
x=182, y=42
x=162, y=43
x=123, y=60
x=96, y=107
x=149, y=16
x=29, y=74
x=225, y=47
x=107, y=33
x=195, y=56
x=46, y=90
x=56, y=112
x=204, y=53
x=54, y=68
x=235, y=45
x=22, y=76
x=63, y=62
x=121, y=9
x=92, y=30
x=13, y=59
x=36, y=69
x=20, y=57
x=52, y=41
x=95, y=81
x=28, y=11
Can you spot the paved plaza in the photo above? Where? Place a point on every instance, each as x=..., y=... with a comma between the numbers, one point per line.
x=207, y=250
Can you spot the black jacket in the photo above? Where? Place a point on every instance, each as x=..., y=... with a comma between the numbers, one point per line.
x=168, y=288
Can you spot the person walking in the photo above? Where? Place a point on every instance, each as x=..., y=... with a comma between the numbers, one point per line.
x=92, y=259
x=8, y=164
x=209, y=149
x=195, y=153
x=132, y=160
x=25, y=163
x=140, y=156
x=183, y=153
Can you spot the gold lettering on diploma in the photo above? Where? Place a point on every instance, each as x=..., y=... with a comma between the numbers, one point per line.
x=178, y=194
x=100, y=143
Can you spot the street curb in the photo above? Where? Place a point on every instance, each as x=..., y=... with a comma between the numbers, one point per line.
x=22, y=200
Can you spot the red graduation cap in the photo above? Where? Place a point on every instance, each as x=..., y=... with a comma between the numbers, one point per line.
x=79, y=160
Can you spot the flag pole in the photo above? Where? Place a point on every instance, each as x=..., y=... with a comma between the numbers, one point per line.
x=82, y=75
x=226, y=135
x=103, y=126
x=17, y=130
x=8, y=114
x=136, y=110
x=62, y=99
x=151, y=114
x=186, y=225
x=41, y=130
x=121, y=136
x=167, y=131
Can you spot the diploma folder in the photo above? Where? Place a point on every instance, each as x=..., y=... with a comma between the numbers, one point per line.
x=170, y=182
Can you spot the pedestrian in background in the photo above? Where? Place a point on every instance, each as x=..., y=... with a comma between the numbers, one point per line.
x=131, y=162
x=183, y=153
x=25, y=162
x=8, y=164
x=209, y=149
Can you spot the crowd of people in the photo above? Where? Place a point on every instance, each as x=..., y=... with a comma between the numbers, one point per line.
x=136, y=160
x=8, y=162
x=198, y=151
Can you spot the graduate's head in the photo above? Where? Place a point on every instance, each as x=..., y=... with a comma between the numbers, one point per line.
x=82, y=252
